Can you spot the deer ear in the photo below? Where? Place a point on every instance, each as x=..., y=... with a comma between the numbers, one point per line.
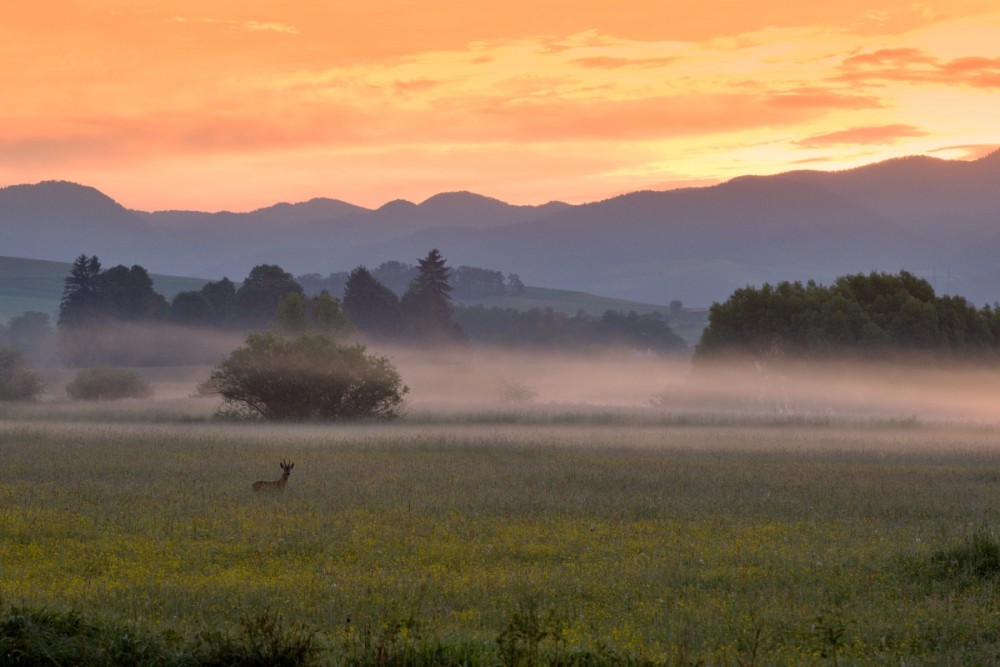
x=291, y=465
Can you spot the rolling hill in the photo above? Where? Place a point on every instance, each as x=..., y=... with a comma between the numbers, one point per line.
x=936, y=218
x=37, y=285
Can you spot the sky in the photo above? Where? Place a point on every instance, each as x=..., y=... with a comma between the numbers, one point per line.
x=239, y=104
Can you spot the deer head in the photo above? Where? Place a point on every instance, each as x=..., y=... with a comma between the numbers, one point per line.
x=278, y=484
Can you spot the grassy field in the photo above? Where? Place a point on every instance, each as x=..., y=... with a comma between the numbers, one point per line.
x=552, y=536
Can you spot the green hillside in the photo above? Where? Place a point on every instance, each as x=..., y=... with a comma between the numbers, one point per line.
x=37, y=285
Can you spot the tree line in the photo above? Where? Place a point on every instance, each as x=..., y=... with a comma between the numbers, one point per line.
x=423, y=314
x=546, y=327
x=467, y=282
x=861, y=315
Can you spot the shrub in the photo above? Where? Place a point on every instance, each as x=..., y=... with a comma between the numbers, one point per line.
x=977, y=558
x=18, y=382
x=515, y=391
x=38, y=636
x=264, y=640
x=308, y=377
x=108, y=384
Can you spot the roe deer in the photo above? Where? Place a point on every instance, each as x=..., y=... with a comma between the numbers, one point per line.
x=278, y=484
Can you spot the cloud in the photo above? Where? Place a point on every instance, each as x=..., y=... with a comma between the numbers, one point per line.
x=823, y=99
x=646, y=119
x=916, y=66
x=611, y=62
x=259, y=26
x=876, y=134
x=967, y=152
x=252, y=26
x=415, y=85
x=900, y=57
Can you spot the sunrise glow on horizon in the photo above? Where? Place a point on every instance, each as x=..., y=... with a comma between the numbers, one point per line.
x=219, y=104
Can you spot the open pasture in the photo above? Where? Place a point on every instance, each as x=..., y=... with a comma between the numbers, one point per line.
x=729, y=541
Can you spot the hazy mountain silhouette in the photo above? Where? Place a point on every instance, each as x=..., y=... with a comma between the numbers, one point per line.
x=936, y=218
x=59, y=220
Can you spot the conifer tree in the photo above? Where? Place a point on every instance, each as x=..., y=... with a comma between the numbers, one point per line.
x=81, y=299
x=426, y=306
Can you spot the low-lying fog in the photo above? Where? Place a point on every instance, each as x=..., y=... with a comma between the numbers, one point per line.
x=478, y=378
x=475, y=378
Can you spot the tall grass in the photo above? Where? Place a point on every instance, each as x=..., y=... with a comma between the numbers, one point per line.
x=509, y=543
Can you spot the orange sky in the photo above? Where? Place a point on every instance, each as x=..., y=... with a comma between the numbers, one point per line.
x=237, y=104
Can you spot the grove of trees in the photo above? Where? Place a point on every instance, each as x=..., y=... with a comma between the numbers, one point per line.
x=859, y=314
x=548, y=328
x=102, y=313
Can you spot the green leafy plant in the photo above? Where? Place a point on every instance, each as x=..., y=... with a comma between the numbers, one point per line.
x=308, y=377
x=976, y=558
x=264, y=640
x=18, y=382
x=108, y=384
x=520, y=642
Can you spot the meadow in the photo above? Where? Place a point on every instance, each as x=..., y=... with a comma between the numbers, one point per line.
x=517, y=536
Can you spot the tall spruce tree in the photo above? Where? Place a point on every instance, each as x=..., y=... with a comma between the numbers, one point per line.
x=426, y=306
x=81, y=299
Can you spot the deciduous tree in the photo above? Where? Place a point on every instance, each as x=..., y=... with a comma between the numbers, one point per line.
x=308, y=377
x=371, y=306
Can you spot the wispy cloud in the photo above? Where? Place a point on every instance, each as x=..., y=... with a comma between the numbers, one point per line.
x=915, y=66
x=611, y=62
x=252, y=26
x=381, y=94
x=881, y=135
x=968, y=152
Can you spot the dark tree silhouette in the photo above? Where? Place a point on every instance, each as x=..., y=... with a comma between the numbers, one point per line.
x=221, y=295
x=256, y=302
x=127, y=294
x=473, y=283
x=426, y=306
x=371, y=306
x=81, y=300
x=192, y=308
x=877, y=313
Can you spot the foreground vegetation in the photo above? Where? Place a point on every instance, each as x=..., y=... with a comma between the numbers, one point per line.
x=599, y=540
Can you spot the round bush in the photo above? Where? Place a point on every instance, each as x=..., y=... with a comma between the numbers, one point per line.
x=18, y=382
x=108, y=384
x=308, y=377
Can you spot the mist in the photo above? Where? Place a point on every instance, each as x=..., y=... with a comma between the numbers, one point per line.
x=480, y=378
x=474, y=378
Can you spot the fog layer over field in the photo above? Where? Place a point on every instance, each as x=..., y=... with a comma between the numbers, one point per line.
x=476, y=378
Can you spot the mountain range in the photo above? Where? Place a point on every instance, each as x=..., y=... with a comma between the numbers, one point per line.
x=936, y=218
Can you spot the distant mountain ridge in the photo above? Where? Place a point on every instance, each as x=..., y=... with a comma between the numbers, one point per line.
x=936, y=218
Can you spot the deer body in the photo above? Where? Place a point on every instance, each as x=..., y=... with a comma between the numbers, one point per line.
x=278, y=484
